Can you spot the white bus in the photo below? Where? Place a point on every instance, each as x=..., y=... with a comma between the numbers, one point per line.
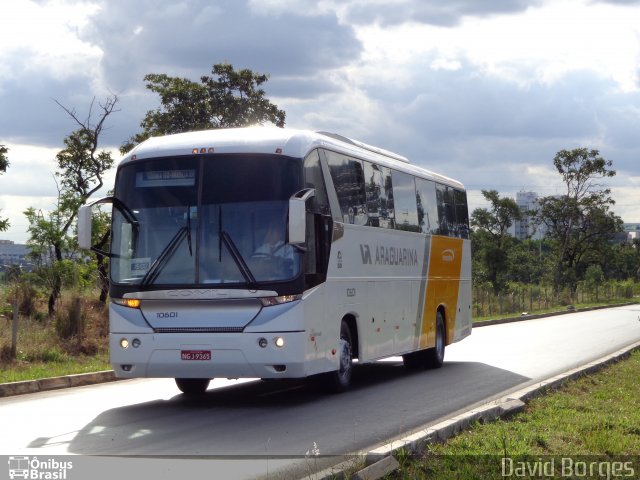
x=274, y=253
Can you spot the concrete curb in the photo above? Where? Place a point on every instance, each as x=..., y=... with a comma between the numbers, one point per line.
x=416, y=443
x=522, y=318
x=55, y=383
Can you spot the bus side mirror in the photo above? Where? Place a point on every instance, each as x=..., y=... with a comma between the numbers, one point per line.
x=297, y=216
x=85, y=222
x=84, y=227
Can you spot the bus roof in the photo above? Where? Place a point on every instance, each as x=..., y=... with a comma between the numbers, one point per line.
x=272, y=140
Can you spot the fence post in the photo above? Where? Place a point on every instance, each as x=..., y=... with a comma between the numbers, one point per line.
x=14, y=328
x=546, y=299
x=76, y=318
x=489, y=302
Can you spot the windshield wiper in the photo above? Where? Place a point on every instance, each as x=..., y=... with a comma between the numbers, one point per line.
x=156, y=268
x=224, y=237
x=188, y=227
x=237, y=257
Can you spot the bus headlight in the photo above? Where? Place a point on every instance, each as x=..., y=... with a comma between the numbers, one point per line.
x=279, y=342
x=127, y=302
x=124, y=343
x=270, y=301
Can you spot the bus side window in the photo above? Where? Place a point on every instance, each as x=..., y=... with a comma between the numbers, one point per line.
x=427, y=206
x=450, y=211
x=446, y=210
x=379, y=195
x=462, y=213
x=405, y=201
x=319, y=223
x=348, y=179
x=313, y=179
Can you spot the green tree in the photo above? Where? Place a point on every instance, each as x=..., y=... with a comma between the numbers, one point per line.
x=527, y=261
x=228, y=98
x=593, y=277
x=4, y=163
x=79, y=174
x=491, y=239
x=622, y=262
x=580, y=222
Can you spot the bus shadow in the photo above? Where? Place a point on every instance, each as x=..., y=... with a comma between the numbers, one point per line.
x=267, y=418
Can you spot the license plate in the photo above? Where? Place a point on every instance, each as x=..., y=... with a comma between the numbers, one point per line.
x=195, y=354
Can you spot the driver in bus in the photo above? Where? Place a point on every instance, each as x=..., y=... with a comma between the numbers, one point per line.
x=275, y=257
x=273, y=244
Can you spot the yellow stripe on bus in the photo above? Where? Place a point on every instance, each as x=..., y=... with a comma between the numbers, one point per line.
x=443, y=282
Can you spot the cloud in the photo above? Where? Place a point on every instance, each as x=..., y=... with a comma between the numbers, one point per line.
x=618, y=2
x=299, y=52
x=485, y=131
x=30, y=114
x=486, y=92
x=188, y=37
x=447, y=14
x=117, y=42
x=41, y=58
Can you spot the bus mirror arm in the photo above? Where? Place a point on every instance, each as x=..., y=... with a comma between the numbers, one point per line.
x=299, y=248
x=85, y=222
x=297, y=217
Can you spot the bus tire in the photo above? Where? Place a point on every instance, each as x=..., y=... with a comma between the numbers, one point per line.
x=340, y=379
x=434, y=357
x=192, y=386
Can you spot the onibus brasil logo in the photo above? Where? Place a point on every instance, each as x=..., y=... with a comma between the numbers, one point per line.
x=33, y=468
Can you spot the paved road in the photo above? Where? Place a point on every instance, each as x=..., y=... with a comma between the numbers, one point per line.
x=255, y=422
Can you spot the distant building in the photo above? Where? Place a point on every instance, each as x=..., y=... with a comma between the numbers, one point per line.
x=525, y=228
x=632, y=230
x=13, y=254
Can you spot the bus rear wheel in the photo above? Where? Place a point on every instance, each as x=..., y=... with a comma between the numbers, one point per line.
x=431, y=357
x=434, y=357
x=192, y=386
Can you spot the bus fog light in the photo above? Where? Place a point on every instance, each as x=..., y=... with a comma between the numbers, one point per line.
x=124, y=343
x=136, y=343
x=279, y=341
x=263, y=342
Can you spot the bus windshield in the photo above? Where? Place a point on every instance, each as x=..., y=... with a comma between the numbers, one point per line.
x=209, y=219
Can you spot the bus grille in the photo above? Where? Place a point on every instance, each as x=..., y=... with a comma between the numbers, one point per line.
x=200, y=330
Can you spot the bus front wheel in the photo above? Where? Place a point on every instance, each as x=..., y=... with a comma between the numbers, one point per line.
x=192, y=386
x=340, y=379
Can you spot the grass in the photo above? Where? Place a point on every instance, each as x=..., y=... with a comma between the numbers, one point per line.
x=62, y=365
x=46, y=348
x=596, y=417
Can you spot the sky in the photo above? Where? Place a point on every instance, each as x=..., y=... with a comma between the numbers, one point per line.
x=484, y=92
